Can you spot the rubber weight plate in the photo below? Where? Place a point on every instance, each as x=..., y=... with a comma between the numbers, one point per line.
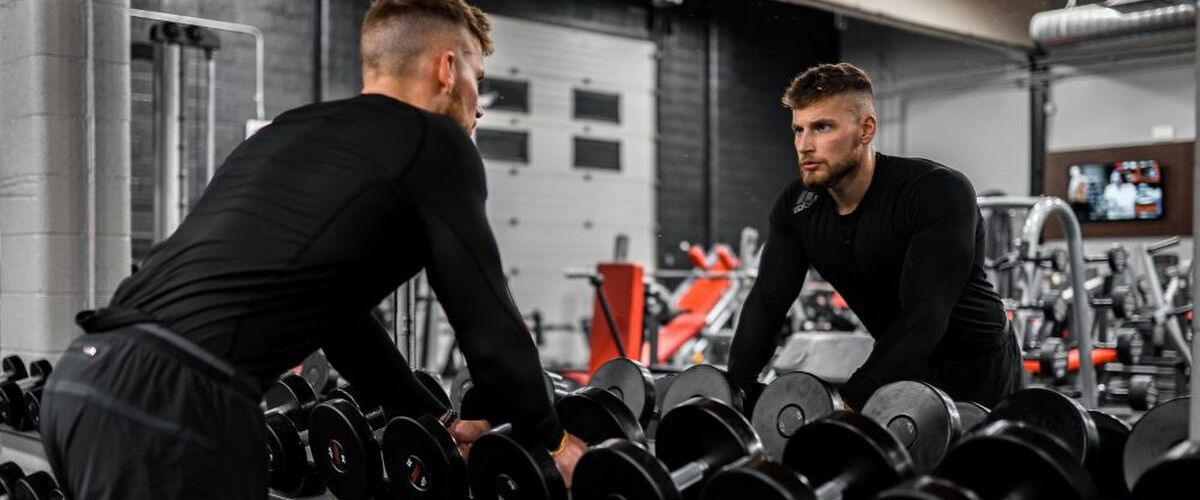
x=10, y=473
x=422, y=460
x=629, y=381
x=316, y=370
x=13, y=367
x=1105, y=463
x=702, y=380
x=1159, y=430
x=37, y=486
x=922, y=417
x=594, y=415
x=788, y=403
x=501, y=468
x=345, y=451
x=287, y=462
x=851, y=447
x=618, y=469
x=1053, y=412
x=1043, y=467
x=927, y=488
x=971, y=414
x=758, y=479
x=1175, y=472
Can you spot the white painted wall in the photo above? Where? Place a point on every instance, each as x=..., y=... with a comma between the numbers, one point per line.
x=1121, y=105
x=64, y=167
x=552, y=202
x=956, y=104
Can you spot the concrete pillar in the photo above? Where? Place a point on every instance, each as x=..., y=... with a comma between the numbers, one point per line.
x=64, y=166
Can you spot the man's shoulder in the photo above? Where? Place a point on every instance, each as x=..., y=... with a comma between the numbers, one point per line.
x=923, y=172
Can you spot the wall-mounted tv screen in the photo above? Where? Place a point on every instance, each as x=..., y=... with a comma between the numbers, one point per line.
x=1124, y=190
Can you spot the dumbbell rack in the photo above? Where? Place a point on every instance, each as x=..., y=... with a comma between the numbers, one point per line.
x=24, y=448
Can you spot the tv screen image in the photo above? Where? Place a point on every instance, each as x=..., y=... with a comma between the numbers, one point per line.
x=1124, y=190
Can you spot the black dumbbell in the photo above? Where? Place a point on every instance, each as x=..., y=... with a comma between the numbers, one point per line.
x=641, y=389
x=343, y=434
x=708, y=381
x=10, y=473
x=12, y=368
x=788, y=403
x=971, y=414
x=37, y=486
x=922, y=417
x=842, y=455
x=13, y=409
x=1067, y=421
x=1130, y=346
x=695, y=440
x=420, y=456
x=1053, y=359
x=1108, y=457
x=1047, y=469
x=288, y=402
x=1159, y=443
x=500, y=467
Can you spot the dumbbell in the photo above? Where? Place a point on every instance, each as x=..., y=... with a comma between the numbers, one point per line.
x=708, y=381
x=344, y=434
x=13, y=408
x=1108, y=456
x=420, y=456
x=695, y=440
x=924, y=419
x=10, y=473
x=1067, y=421
x=1053, y=359
x=12, y=368
x=788, y=403
x=1130, y=345
x=842, y=455
x=288, y=402
x=1044, y=469
x=37, y=486
x=1158, y=454
x=971, y=414
x=641, y=390
x=502, y=468
x=1139, y=391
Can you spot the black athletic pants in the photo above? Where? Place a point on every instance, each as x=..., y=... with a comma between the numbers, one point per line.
x=985, y=376
x=139, y=413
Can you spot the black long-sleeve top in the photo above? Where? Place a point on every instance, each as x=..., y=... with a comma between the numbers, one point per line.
x=315, y=219
x=908, y=260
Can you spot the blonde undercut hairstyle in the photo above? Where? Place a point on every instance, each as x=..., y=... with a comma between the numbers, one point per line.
x=828, y=80
x=395, y=33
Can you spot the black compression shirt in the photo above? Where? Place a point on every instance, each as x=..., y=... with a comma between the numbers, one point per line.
x=908, y=261
x=312, y=222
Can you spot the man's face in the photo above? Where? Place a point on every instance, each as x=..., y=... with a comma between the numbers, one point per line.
x=829, y=140
x=464, y=105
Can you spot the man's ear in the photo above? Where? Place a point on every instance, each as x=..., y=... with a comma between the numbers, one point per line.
x=446, y=62
x=868, y=129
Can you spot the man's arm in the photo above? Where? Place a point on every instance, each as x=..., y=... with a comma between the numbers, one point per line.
x=365, y=355
x=781, y=272
x=942, y=214
x=448, y=188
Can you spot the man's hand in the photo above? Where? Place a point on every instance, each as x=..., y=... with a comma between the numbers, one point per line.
x=568, y=457
x=465, y=433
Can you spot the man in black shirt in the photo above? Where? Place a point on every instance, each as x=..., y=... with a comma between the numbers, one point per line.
x=305, y=228
x=900, y=238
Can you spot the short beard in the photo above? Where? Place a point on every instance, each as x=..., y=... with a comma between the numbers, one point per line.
x=458, y=111
x=838, y=169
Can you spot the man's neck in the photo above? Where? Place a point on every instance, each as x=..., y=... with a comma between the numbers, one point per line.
x=849, y=192
x=400, y=90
